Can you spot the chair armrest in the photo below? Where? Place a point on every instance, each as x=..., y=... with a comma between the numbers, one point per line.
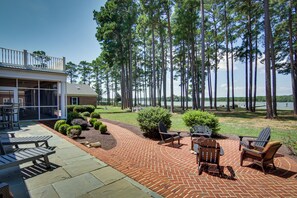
x=168, y=133
x=243, y=136
x=253, y=152
x=250, y=140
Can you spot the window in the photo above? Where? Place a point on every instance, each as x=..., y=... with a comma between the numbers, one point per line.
x=74, y=100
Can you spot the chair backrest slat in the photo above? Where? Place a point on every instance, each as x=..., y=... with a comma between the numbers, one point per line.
x=263, y=136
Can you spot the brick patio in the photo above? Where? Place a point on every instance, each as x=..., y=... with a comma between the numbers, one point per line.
x=172, y=172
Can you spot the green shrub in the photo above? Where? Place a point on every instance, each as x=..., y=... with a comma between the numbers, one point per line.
x=103, y=128
x=70, y=108
x=73, y=115
x=92, y=120
x=74, y=131
x=86, y=114
x=58, y=124
x=193, y=117
x=95, y=115
x=97, y=124
x=63, y=128
x=149, y=119
x=84, y=108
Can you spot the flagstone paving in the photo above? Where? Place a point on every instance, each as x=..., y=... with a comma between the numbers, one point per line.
x=75, y=174
x=172, y=172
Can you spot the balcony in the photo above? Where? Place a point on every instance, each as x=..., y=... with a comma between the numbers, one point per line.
x=30, y=61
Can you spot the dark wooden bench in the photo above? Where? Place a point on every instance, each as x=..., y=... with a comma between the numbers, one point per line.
x=200, y=130
x=26, y=140
x=23, y=156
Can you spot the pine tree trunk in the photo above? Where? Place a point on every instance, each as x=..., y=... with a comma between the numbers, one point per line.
x=232, y=76
x=269, y=113
x=227, y=58
x=202, y=57
x=293, y=62
x=255, y=75
x=250, y=60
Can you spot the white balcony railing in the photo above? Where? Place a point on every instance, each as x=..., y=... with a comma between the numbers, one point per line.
x=26, y=60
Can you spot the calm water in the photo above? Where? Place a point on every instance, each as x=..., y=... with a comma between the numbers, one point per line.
x=259, y=105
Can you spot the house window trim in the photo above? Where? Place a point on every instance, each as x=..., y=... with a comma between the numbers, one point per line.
x=72, y=100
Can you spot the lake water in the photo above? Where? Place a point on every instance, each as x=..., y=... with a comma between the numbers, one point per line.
x=259, y=105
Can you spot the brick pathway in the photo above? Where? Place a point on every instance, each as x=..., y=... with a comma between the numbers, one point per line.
x=172, y=172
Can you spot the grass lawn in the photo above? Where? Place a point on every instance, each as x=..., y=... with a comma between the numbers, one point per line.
x=236, y=122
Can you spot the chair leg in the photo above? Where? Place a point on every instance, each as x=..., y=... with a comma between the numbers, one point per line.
x=262, y=166
x=241, y=158
x=239, y=146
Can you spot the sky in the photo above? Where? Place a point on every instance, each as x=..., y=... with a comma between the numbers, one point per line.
x=65, y=28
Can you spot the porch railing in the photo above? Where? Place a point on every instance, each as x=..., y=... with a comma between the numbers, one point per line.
x=25, y=60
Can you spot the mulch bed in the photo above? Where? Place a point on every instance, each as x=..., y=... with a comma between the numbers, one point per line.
x=107, y=140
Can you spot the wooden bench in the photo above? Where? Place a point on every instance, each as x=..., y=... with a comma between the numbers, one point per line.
x=23, y=156
x=200, y=130
x=26, y=140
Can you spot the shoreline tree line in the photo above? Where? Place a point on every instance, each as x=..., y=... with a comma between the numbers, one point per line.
x=145, y=40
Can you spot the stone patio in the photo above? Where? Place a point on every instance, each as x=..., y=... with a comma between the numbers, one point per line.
x=75, y=174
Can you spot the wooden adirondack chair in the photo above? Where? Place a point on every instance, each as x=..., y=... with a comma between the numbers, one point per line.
x=168, y=136
x=263, y=157
x=258, y=143
x=209, y=153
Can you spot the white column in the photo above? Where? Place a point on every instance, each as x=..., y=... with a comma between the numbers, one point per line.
x=63, y=100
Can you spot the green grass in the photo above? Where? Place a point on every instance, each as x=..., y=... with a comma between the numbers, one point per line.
x=237, y=122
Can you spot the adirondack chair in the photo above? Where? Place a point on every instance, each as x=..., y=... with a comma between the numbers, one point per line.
x=209, y=153
x=200, y=130
x=168, y=136
x=23, y=156
x=258, y=143
x=261, y=158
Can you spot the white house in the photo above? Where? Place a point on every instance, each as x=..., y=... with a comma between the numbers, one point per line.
x=38, y=85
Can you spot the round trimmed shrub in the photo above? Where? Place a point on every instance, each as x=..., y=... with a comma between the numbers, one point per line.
x=95, y=115
x=83, y=108
x=70, y=108
x=103, y=128
x=63, y=128
x=92, y=120
x=86, y=114
x=58, y=124
x=73, y=115
x=74, y=131
x=78, y=121
x=97, y=124
x=196, y=117
x=149, y=119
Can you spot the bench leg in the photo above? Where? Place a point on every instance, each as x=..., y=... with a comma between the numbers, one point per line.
x=47, y=163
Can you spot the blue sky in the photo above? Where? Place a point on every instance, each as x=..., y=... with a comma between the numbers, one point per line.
x=66, y=28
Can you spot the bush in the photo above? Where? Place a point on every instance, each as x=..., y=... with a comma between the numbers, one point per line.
x=78, y=121
x=97, y=124
x=70, y=108
x=86, y=114
x=103, y=128
x=58, y=124
x=74, y=131
x=95, y=115
x=92, y=120
x=149, y=119
x=193, y=117
x=84, y=108
x=63, y=128
x=73, y=115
